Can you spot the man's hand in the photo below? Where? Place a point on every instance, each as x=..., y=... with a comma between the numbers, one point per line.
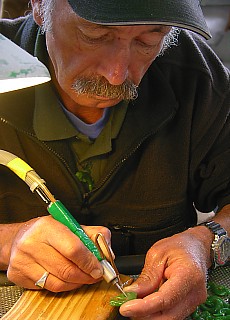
x=173, y=280
x=44, y=244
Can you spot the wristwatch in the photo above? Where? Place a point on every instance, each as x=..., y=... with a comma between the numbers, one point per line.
x=220, y=248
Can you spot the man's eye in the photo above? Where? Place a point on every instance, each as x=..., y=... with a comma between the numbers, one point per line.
x=146, y=47
x=93, y=40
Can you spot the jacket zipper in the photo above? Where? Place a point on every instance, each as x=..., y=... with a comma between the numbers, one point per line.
x=86, y=195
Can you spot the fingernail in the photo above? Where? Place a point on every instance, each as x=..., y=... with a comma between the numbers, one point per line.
x=96, y=273
x=127, y=313
x=131, y=287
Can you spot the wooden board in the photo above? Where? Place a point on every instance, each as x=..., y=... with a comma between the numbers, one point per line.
x=90, y=302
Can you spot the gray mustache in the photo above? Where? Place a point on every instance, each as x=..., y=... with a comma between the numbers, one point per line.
x=101, y=87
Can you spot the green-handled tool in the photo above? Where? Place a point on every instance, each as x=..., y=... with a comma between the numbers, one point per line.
x=61, y=214
x=58, y=211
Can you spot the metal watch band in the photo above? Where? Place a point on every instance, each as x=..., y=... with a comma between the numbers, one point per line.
x=215, y=228
x=220, y=235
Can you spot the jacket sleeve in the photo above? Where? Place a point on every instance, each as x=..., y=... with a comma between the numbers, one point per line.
x=210, y=155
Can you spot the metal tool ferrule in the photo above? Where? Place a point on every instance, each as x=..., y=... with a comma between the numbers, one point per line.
x=109, y=273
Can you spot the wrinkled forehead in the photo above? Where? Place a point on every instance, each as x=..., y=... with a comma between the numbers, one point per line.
x=185, y=14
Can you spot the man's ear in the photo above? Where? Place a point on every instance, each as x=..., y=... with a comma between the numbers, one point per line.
x=36, y=9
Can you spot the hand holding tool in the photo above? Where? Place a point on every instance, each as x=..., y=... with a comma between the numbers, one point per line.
x=59, y=212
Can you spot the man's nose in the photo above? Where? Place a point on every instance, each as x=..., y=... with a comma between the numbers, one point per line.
x=115, y=66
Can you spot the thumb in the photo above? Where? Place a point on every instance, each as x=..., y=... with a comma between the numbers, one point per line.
x=148, y=281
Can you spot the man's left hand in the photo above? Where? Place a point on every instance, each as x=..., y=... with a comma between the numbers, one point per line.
x=173, y=280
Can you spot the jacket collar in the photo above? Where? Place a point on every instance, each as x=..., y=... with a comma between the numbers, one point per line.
x=49, y=114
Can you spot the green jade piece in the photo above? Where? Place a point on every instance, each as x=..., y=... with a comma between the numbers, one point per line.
x=216, y=306
x=119, y=300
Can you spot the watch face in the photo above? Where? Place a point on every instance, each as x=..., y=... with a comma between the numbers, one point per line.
x=222, y=250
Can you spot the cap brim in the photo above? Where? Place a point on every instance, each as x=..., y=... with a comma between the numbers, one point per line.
x=186, y=14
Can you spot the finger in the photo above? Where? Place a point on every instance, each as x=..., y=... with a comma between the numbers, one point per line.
x=179, y=312
x=180, y=284
x=171, y=299
x=65, y=269
x=147, y=283
x=62, y=269
x=104, y=246
x=150, y=317
x=135, y=309
x=93, y=230
x=151, y=304
x=28, y=277
x=83, y=259
x=55, y=284
x=51, y=260
x=141, y=308
x=74, y=250
x=60, y=266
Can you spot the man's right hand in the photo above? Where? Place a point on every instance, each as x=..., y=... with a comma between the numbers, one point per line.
x=44, y=244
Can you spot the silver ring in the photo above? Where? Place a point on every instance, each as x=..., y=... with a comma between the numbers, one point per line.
x=42, y=281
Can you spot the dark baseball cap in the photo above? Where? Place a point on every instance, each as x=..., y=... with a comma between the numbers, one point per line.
x=185, y=14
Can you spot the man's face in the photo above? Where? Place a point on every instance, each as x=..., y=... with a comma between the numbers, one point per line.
x=115, y=54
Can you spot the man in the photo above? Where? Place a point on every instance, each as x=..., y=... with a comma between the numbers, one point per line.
x=128, y=137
